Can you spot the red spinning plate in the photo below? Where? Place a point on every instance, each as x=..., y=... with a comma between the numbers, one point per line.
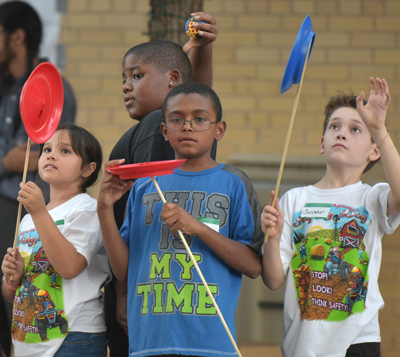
x=41, y=102
x=145, y=169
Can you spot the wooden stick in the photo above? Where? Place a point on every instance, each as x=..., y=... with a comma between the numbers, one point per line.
x=28, y=150
x=201, y=276
x=285, y=150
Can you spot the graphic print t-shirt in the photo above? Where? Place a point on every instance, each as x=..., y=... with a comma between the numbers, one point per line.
x=46, y=306
x=169, y=310
x=331, y=251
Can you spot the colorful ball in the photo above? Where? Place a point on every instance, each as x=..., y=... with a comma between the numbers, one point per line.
x=190, y=30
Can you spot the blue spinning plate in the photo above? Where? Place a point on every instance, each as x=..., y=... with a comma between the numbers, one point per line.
x=296, y=60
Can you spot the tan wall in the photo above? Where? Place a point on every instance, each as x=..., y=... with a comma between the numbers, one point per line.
x=355, y=39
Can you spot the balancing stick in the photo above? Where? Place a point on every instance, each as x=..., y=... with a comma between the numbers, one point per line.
x=201, y=275
x=285, y=150
x=28, y=150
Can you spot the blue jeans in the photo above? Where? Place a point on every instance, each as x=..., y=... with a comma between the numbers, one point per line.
x=83, y=345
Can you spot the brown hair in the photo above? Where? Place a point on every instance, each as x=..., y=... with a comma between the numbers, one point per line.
x=343, y=100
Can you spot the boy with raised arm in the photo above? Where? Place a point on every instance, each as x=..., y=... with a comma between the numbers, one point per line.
x=332, y=298
x=149, y=71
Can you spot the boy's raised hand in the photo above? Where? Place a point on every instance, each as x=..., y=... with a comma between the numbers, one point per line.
x=112, y=188
x=272, y=217
x=208, y=31
x=13, y=265
x=176, y=218
x=374, y=112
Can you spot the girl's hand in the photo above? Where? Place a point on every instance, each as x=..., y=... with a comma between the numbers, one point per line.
x=374, y=112
x=176, y=218
x=112, y=188
x=208, y=31
x=13, y=265
x=31, y=197
x=272, y=217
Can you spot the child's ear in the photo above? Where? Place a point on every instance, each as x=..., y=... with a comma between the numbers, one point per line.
x=164, y=130
x=175, y=78
x=375, y=154
x=89, y=169
x=321, y=147
x=220, y=130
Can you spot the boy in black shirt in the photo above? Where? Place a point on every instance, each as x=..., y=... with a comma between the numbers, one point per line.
x=149, y=71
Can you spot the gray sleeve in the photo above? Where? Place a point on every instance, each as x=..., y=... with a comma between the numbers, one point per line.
x=258, y=238
x=70, y=107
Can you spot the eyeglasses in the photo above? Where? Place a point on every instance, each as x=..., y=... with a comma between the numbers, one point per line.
x=197, y=124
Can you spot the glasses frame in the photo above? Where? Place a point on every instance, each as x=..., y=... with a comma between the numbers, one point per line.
x=191, y=125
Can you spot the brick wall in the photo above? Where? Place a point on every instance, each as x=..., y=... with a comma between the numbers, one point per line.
x=355, y=39
x=97, y=34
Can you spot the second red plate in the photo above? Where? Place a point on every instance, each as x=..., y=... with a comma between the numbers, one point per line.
x=145, y=169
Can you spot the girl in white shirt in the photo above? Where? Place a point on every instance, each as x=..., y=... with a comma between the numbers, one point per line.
x=55, y=274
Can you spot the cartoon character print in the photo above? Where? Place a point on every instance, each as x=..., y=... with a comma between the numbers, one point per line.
x=361, y=249
x=38, y=313
x=303, y=279
x=336, y=264
x=330, y=264
x=28, y=289
x=303, y=250
x=47, y=316
x=53, y=274
x=357, y=290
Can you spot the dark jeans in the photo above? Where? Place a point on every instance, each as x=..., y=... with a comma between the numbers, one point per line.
x=83, y=345
x=8, y=220
x=368, y=349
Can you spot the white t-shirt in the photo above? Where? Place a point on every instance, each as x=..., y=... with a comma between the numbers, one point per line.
x=46, y=306
x=331, y=253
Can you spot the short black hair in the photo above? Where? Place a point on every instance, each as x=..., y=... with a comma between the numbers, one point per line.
x=343, y=100
x=16, y=15
x=86, y=146
x=165, y=56
x=198, y=88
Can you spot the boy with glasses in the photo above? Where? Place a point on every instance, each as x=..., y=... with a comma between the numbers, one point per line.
x=169, y=312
